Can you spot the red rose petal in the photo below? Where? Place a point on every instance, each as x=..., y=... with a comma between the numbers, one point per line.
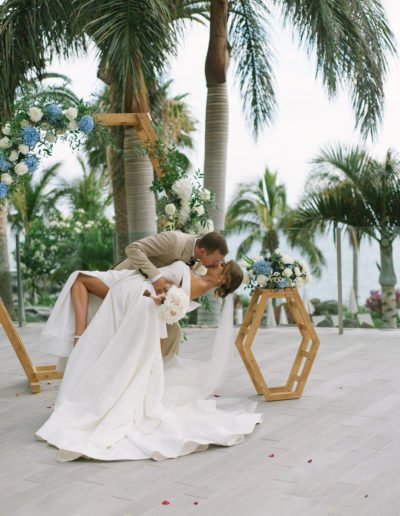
x=272, y=455
x=366, y=496
x=217, y=396
x=309, y=460
x=195, y=503
x=165, y=502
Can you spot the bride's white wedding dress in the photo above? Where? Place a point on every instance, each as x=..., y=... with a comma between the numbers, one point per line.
x=119, y=400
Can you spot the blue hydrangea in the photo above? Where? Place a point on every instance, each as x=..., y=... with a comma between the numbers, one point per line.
x=30, y=136
x=3, y=190
x=262, y=267
x=4, y=164
x=32, y=162
x=86, y=124
x=284, y=283
x=53, y=112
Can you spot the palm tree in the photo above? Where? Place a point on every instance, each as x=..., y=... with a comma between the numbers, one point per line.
x=351, y=39
x=33, y=199
x=259, y=209
x=133, y=39
x=351, y=189
x=89, y=193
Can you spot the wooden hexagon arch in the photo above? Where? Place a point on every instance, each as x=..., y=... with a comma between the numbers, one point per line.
x=305, y=356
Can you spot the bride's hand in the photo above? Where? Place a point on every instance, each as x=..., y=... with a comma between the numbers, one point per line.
x=159, y=300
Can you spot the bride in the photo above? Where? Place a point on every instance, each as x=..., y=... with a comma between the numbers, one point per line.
x=119, y=400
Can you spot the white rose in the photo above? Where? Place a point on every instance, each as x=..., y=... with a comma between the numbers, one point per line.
x=183, y=188
x=287, y=259
x=297, y=271
x=6, y=129
x=299, y=282
x=308, y=278
x=6, y=178
x=170, y=209
x=21, y=169
x=287, y=272
x=24, y=123
x=72, y=125
x=5, y=143
x=262, y=280
x=50, y=137
x=13, y=156
x=278, y=251
x=78, y=230
x=23, y=149
x=71, y=113
x=205, y=195
x=199, y=209
x=35, y=114
x=45, y=126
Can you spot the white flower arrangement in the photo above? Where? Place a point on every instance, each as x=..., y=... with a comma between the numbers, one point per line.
x=175, y=306
x=275, y=272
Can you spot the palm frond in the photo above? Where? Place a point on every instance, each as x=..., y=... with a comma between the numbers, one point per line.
x=253, y=60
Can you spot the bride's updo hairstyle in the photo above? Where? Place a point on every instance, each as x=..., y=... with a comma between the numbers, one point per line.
x=233, y=275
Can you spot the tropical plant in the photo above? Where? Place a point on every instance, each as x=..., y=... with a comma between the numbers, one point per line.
x=259, y=210
x=352, y=41
x=89, y=193
x=351, y=189
x=33, y=198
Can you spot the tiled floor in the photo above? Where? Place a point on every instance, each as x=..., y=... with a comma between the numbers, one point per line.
x=335, y=451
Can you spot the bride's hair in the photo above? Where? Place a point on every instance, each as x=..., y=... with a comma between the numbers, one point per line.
x=233, y=275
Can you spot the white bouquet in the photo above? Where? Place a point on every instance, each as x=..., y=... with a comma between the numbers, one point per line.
x=174, y=305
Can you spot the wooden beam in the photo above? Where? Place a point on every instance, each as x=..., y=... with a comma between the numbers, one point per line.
x=141, y=122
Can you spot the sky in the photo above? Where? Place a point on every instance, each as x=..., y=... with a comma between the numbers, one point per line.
x=305, y=119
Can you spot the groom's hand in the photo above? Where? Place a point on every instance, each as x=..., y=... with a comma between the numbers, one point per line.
x=162, y=285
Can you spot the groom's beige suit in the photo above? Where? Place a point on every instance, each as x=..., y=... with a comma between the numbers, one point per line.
x=159, y=250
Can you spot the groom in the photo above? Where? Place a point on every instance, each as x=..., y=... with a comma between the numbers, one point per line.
x=160, y=250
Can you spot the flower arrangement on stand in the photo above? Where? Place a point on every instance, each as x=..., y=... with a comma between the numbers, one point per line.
x=275, y=272
x=182, y=203
x=31, y=134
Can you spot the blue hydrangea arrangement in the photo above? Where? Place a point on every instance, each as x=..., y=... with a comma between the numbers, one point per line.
x=32, y=132
x=275, y=271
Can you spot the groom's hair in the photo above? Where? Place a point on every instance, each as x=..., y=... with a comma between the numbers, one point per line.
x=212, y=242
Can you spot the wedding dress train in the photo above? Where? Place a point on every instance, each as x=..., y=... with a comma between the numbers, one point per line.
x=119, y=400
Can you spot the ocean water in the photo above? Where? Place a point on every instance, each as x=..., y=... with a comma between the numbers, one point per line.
x=326, y=287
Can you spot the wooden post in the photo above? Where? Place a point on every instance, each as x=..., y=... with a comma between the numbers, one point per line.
x=304, y=357
x=35, y=374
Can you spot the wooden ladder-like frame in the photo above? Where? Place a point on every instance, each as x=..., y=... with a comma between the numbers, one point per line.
x=305, y=355
x=35, y=374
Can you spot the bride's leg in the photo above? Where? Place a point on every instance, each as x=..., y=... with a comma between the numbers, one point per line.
x=80, y=290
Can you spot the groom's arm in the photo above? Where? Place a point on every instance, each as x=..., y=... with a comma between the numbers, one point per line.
x=142, y=253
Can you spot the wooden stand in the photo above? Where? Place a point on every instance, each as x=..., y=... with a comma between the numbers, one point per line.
x=35, y=374
x=305, y=354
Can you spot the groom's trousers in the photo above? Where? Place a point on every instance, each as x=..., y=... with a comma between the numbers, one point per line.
x=170, y=345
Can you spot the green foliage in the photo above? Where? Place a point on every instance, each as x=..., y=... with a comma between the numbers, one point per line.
x=176, y=212
x=58, y=245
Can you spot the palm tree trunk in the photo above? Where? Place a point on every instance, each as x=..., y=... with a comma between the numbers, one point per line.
x=5, y=274
x=387, y=280
x=354, y=246
x=115, y=164
x=138, y=179
x=216, y=127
